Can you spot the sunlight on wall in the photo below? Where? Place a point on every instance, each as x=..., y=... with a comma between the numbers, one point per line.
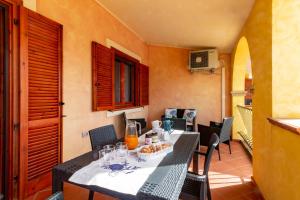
x=273, y=35
x=286, y=58
x=30, y=4
x=78, y=33
x=258, y=31
x=241, y=62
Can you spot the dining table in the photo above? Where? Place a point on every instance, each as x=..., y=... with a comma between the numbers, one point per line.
x=164, y=181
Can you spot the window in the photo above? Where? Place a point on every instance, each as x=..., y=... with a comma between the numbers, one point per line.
x=124, y=81
x=125, y=68
x=119, y=81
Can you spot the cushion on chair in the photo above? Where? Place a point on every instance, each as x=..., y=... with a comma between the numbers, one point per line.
x=171, y=113
x=189, y=115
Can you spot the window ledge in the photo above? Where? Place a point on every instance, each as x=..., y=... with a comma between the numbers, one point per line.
x=292, y=125
x=113, y=113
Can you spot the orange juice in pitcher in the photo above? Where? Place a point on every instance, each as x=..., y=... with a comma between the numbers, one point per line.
x=131, y=136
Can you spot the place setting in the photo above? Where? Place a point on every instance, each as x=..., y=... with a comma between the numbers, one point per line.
x=134, y=159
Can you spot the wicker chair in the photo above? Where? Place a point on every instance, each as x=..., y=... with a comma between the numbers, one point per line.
x=56, y=196
x=222, y=129
x=196, y=185
x=99, y=137
x=179, y=123
x=102, y=136
x=180, y=113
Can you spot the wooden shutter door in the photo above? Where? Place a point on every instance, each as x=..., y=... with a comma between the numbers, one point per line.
x=40, y=100
x=143, y=85
x=103, y=77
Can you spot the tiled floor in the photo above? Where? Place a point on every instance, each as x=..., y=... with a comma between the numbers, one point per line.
x=230, y=179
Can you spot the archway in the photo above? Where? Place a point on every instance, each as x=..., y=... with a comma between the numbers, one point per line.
x=241, y=93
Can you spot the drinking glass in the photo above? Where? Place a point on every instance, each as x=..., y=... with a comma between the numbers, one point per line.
x=121, y=144
x=104, y=157
x=109, y=146
x=121, y=152
x=107, y=154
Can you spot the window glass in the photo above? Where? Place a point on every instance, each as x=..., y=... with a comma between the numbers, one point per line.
x=123, y=81
x=127, y=74
x=117, y=82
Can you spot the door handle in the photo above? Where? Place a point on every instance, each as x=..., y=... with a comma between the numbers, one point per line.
x=61, y=103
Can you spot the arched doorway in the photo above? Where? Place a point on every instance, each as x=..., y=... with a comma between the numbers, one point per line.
x=241, y=93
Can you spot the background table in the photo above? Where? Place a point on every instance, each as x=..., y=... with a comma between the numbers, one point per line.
x=164, y=183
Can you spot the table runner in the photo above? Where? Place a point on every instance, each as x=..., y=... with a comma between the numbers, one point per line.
x=127, y=181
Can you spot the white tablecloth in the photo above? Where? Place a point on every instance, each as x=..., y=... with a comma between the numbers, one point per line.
x=127, y=181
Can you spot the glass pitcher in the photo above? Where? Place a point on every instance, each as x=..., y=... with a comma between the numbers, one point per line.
x=131, y=135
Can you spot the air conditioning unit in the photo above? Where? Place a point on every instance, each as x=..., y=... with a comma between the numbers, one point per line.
x=203, y=60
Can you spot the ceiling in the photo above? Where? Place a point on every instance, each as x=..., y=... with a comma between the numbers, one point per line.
x=183, y=23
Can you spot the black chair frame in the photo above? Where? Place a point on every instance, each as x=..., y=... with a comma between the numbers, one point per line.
x=223, y=130
x=197, y=185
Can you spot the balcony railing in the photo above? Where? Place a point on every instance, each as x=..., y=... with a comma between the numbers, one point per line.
x=245, y=114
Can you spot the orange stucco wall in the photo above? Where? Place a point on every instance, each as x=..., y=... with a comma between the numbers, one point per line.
x=84, y=22
x=172, y=85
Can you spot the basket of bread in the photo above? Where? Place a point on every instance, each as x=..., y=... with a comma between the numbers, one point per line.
x=153, y=151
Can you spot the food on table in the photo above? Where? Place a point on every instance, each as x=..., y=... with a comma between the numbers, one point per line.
x=154, y=148
x=155, y=138
x=165, y=145
x=148, y=138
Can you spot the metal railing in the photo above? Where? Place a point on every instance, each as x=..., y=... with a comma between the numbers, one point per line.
x=245, y=114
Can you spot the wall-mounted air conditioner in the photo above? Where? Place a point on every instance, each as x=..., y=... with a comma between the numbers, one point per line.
x=203, y=60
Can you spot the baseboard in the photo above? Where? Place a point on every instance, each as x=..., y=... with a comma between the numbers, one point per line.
x=244, y=146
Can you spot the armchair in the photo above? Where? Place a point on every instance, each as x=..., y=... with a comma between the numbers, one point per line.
x=223, y=130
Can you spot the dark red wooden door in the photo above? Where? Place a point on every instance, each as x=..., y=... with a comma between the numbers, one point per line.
x=40, y=100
